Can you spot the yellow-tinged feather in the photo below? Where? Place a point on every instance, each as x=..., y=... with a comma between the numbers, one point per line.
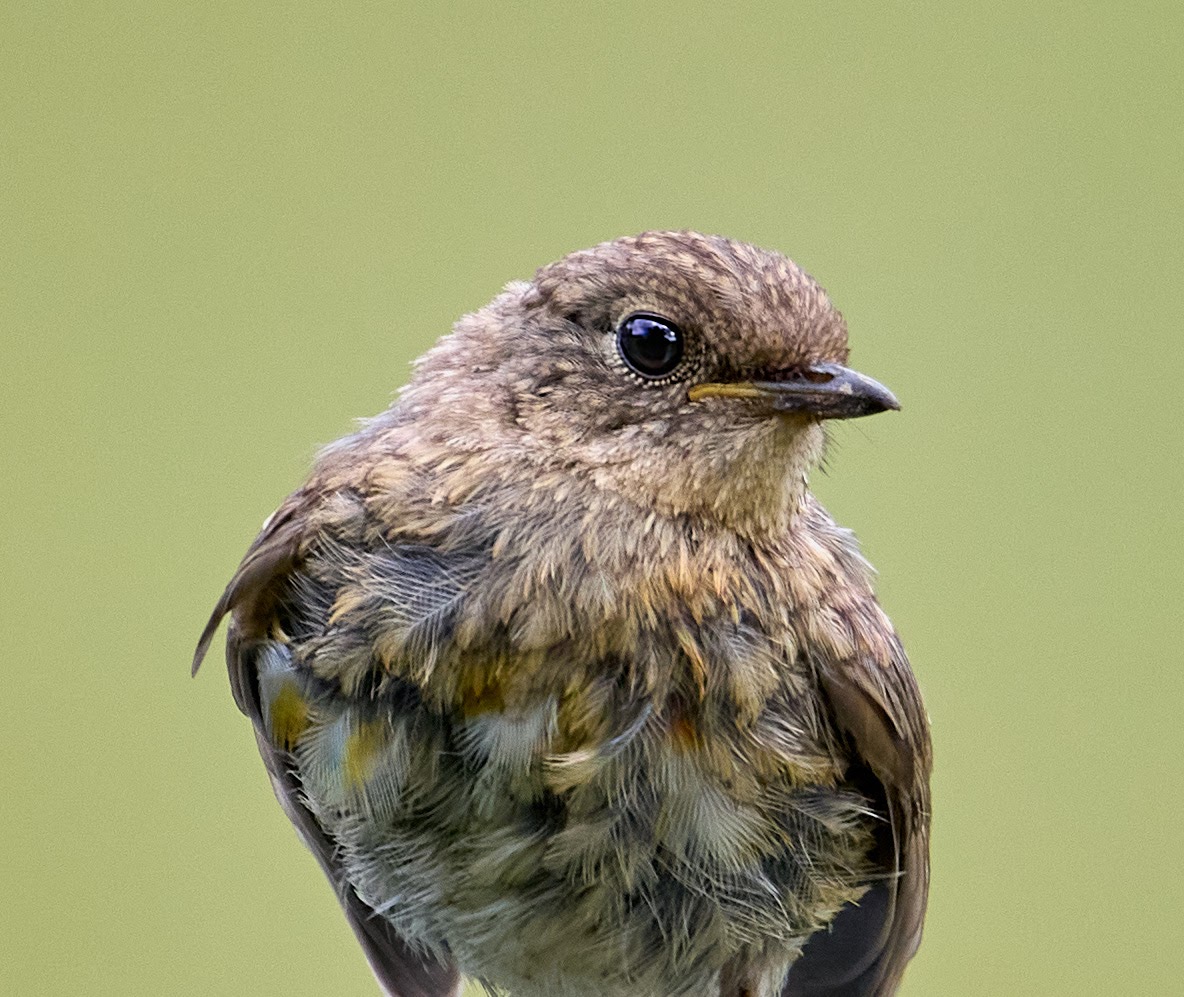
x=361, y=749
x=289, y=717
x=686, y=641
x=348, y=600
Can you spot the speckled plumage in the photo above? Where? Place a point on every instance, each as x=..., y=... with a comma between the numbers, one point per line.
x=567, y=679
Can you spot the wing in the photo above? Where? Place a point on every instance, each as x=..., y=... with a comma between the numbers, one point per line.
x=252, y=597
x=877, y=708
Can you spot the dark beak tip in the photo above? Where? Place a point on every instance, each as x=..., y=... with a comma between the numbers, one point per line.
x=864, y=395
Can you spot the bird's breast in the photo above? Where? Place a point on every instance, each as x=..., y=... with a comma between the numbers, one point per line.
x=647, y=836
x=523, y=748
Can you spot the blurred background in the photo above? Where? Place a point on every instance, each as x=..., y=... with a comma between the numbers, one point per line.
x=226, y=229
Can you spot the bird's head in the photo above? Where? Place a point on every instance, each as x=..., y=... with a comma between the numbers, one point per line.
x=690, y=373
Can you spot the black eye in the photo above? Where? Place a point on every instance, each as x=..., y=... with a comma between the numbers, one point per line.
x=650, y=345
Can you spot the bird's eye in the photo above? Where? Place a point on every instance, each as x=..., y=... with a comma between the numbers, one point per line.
x=650, y=345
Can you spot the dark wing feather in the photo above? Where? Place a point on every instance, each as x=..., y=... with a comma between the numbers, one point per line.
x=267, y=561
x=250, y=597
x=877, y=707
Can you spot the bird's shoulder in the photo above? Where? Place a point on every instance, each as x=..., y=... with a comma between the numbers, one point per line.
x=306, y=728
x=876, y=711
x=857, y=653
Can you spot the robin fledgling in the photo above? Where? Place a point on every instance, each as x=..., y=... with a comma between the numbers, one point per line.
x=566, y=678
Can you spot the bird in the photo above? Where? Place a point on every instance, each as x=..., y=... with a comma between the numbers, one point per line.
x=564, y=675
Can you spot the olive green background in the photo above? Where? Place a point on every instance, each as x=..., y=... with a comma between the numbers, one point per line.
x=227, y=228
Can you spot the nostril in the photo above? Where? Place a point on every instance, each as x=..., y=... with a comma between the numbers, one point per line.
x=815, y=376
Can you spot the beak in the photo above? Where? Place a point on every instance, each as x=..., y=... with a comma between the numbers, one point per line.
x=824, y=390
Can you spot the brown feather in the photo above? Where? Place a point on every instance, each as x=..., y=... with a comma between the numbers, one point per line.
x=269, y=558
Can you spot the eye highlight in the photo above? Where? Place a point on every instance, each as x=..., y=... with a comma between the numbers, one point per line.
x=650, y=345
